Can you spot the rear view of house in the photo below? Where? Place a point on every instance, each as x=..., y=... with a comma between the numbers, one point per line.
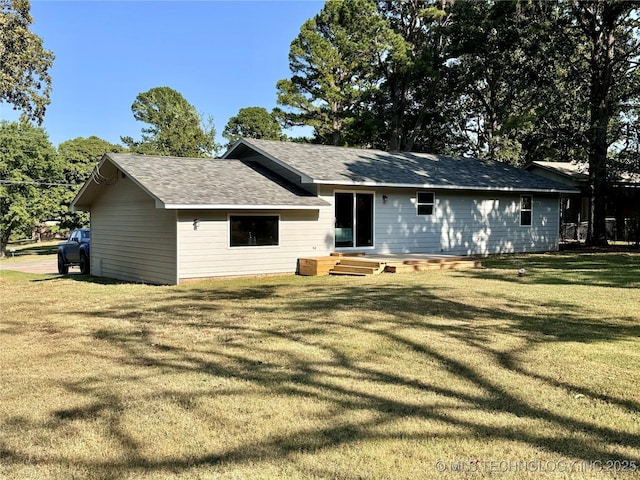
x=266, y=204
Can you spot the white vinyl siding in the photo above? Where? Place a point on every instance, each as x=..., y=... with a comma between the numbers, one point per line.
x=462, y=223
x=132, y=240
x=206, y=252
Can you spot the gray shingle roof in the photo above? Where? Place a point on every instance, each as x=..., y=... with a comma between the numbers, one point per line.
x=580, y=171
x=197, y=182
x=575, y=171
x=339, y=165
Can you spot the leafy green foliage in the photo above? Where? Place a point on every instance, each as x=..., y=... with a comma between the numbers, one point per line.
x=498, y=73
x=332, y=65
x=29, y=170
x=79, y=156
x=511, y=81
x=175, y=127
x=612, y=34
x=411, y=99
x=24, y=63
x=253, y=122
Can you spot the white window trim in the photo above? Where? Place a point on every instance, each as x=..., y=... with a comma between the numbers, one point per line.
x=520, y=210
x=373, y=226
x=252, y=247
x=418, y=204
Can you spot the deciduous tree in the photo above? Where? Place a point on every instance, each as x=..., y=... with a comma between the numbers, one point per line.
x=30, y=174
x=503, y=73
x=78, y=158
x=175, y=126
x=25, y=82
x=410, y=72
x=253, y=122
x=611, y=29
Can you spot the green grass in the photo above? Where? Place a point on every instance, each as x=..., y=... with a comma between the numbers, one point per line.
x=324, y=377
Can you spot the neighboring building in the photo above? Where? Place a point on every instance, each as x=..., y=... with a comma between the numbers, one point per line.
x=266, y=204
x=623, y=200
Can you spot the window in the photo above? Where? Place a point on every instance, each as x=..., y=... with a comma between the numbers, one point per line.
x=526, y=210
x=254, y=230
x=425, y=203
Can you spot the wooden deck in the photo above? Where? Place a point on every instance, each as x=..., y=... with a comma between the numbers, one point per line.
x=360, y=264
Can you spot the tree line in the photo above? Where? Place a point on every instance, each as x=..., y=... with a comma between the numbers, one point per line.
x=513, y=81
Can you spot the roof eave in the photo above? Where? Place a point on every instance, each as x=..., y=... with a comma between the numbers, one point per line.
x=73, y=207
x=304, y=178
x=170, y=206
x=79, y=208
x=106, y=157
x=443, y=187
x=577, y=177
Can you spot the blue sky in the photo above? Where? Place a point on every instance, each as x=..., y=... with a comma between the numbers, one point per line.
x=220, y=55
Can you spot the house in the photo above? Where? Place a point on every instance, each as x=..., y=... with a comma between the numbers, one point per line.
x=623, y=200
x=266, y=204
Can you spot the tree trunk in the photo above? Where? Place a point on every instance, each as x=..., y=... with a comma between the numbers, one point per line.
x=601, y=74
x=336, y=134
x=4, y=240
x=412, y=135
x=598, y=177
x=398, y=106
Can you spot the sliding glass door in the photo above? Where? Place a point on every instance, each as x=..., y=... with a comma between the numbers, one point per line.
x=354, y=219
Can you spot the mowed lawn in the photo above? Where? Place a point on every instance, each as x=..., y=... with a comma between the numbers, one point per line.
x=441, y=374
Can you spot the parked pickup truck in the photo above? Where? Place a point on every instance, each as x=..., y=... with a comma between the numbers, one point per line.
x=75, y=252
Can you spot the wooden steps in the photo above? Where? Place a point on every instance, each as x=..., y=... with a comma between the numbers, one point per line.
x=358, y=265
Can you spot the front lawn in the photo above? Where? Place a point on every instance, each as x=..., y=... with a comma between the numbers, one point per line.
x=441, y=374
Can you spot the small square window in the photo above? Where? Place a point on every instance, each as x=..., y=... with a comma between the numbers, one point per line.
x=526, y=210
x=425, y=203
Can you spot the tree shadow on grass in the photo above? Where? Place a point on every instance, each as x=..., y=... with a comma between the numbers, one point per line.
x=263, y=339
x=617, y=270
x=78, y=277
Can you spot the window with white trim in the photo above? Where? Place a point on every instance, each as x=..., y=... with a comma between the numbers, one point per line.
x=425, y=202
x=254, y=230
x=526, y=210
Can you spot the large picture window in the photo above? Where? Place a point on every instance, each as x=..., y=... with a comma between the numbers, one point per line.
x=254, y=230
x=526, y=210
x=425, y=202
